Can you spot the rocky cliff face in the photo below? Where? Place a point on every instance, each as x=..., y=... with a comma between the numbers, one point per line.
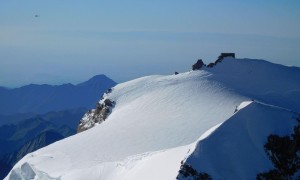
x=98, y=115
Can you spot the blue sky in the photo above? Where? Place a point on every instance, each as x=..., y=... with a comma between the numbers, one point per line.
x=73, y=40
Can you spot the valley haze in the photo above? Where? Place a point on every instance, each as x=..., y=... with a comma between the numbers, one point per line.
x=70, y=41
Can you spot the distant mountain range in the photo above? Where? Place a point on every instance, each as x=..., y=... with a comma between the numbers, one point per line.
x=16, y=140
x=34, y=116
x=44, y=98
x=27, y=135
x=14, y=118
x=65, y=117
x=14, y=136
x=42, y=140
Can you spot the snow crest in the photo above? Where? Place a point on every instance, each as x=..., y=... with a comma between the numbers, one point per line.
x=235, y=150
x=156, y=119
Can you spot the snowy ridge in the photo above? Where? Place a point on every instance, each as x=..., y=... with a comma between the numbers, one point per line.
x=157, y=120
x=260, y=80
x=243, y=105
x=240, y=143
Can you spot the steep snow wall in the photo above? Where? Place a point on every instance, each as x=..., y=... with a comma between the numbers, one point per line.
x=236, y=149
x=260, y=80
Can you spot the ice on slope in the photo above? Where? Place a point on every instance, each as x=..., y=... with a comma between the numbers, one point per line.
x=236, y=149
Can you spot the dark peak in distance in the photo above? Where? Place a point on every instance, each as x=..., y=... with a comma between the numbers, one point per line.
x=101, y=78
x=94, y=79
x=43, y=98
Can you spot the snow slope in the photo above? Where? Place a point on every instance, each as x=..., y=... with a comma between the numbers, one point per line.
x=157, y=117
x=261, y=80
x=236, y=149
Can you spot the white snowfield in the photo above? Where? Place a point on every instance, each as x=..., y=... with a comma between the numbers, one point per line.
x=236, y=149
x=158, y=120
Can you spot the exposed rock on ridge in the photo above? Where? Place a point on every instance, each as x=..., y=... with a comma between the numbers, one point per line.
x=98, y=115
x=200, y=63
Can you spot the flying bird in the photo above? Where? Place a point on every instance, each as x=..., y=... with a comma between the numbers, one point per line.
x=36, y=15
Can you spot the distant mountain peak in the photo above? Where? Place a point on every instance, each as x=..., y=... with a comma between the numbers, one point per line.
x=96, y=79
x=99, y=76
x=44, y=98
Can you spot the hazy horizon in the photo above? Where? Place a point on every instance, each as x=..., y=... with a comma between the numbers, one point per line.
x=71, y=41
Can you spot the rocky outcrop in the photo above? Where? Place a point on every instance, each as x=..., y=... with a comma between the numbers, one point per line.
x=220, y=59
x=198, y=65
x=223, y=55
x=210, y=65
x=188, y=172
x=98, y=115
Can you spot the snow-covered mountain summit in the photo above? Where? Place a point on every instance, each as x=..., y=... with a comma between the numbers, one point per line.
x=256, y=79
x=155, y=121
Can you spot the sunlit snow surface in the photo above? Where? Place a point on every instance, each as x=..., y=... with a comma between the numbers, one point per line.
x=158, y=119
x=236, y=149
